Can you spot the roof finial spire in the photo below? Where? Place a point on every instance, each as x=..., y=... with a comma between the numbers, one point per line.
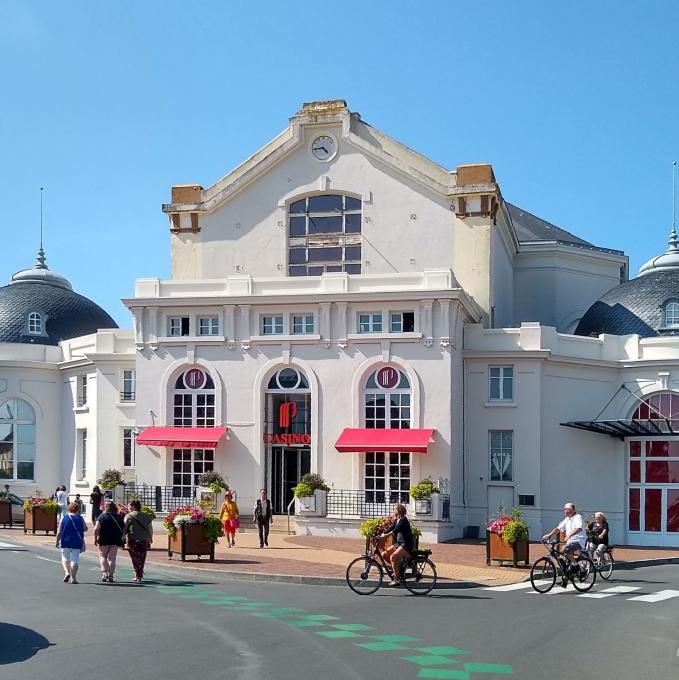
x=40, y=260
x=673, y=241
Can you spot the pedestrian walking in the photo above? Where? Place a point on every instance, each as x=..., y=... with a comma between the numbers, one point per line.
x=108, y=535
x=138, y=532
x=80, y=504
x=263, y=517
x=95, y=500
x=229, y=515
x=71, y=540
x=61, y=497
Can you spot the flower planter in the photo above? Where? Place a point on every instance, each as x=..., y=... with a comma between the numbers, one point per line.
x=208, y=499
x=189, y=540
x=312, y=506
x=497, y=549
x=37, y=519
x=431, y=508
x=5, y=513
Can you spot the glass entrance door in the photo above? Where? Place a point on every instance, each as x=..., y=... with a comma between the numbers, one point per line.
x=288, y=466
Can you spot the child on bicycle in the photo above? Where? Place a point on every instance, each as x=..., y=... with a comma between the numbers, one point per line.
x=403, y=542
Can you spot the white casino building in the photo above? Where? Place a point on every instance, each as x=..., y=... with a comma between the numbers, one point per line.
x=340, y=304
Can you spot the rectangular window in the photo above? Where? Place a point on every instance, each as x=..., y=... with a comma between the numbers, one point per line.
x=402, y=322
x=82, y=390
x=178, y=326
x=501, y=455
x=128, y=448
x=272, y=325
x=528, y=499
x=208, y=326
x=187, y=466
x=82, y=459
x=501, y=383
x=387, y=477
x=303, y=324
x=129, y=385
x=370, y=323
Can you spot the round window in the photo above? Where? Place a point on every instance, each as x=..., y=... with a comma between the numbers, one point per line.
x=288, y=379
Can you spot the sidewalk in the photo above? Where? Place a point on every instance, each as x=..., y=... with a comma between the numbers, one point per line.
x=317, y=559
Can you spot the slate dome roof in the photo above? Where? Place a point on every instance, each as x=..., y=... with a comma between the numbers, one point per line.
x=64, y=314
x=637, y=306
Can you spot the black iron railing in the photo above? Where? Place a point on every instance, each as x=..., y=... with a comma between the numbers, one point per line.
x=368, y=503
x=161, y=498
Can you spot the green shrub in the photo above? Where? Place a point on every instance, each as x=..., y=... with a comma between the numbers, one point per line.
x=424, y=489
x=110, y=479
x=213, y=528
x=214, y=481
x=302, y=490
x=375, y=526
x=315, y=481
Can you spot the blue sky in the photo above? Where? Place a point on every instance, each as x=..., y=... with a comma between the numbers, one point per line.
x=107, y=105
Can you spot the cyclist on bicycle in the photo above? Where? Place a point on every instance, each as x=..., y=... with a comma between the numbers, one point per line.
x=403, y=542
x=598, y=542
x=572, y=526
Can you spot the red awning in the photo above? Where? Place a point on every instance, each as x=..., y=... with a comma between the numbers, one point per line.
x=182, y=437
x=359, y=440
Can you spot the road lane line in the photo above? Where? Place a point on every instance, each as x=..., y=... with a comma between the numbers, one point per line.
x=45, y=559
x=511, y=586
x=655, y=597
x=7, y=545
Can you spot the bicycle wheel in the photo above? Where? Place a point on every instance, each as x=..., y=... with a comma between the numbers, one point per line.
x=364, y=575
x=422, y=579
x=585, y=576
x=543, y=575
x=605, y=565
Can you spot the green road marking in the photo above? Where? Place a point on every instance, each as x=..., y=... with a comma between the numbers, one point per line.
x=441, y=650
x=278, y=611
x=381, y=646
x=238, y=608
x=220, y=600
x=395, y=638
x=297, y=623
x=488, y=668
x=199, y=595
x=443, y=674
x=333, y=634
x=255, y=603
x=351, y=626
x=214, y=603
x=430, y=660
x=319, y=617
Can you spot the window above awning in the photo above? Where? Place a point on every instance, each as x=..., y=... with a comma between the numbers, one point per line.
x=360, y=440
x=182, y=437
x=633, y=427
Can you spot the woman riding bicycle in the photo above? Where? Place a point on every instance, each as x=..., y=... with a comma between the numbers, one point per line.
x=403, y=541
x=599, y=532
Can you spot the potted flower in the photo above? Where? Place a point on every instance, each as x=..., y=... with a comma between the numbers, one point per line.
x=427, y=498
x=5, y=509
x=192, y=531
x=507, y=538
x=112, y=482
x=311, y=495
x=211, y=486
x=372, y=528
x=40, y=514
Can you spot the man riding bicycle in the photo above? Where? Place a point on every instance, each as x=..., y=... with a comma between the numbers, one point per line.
x=573, y=527
x=403, y=542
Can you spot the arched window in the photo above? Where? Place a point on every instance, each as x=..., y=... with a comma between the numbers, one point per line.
x=387, y=405
x=672, y=315
x=194, y=399
x=35, y=326
x=17, y=440
x=288, y=403
x=288, y=379
x=659, y=407
x=324, y=235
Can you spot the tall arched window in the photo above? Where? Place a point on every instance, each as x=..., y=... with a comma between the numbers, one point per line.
x=35, y=323
x=194, y=399
x=672, y=315
x=17, y=440
x=387, y=405
x=324, y=235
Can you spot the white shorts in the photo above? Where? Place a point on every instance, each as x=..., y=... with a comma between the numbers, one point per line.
x=71, y=555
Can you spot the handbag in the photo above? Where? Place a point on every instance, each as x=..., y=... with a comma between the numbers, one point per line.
x=235, y=523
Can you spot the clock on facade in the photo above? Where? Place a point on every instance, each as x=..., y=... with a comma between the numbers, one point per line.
x=323, y=147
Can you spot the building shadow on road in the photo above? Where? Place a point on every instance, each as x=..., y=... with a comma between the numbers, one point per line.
x=18, y=643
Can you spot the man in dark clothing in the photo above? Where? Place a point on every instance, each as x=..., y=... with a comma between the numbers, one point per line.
x=403, y=541
x=263, y=517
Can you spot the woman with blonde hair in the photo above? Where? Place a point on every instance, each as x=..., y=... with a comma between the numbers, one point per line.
x=228, y=513
x=599, y=535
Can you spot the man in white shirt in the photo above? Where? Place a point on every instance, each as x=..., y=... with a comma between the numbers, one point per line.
x=573, y=527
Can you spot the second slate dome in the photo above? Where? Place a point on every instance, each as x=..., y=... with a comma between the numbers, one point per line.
x=40, y=307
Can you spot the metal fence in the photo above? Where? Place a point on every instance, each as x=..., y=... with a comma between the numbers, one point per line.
x=161, y=498
x=368, y=503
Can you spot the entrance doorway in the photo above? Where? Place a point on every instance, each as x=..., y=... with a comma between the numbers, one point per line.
x=288, y=466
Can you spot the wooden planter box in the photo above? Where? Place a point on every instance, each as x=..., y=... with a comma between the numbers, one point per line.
x=37, y=519
x=5, y=513
x=189, y=540
x=497, y=549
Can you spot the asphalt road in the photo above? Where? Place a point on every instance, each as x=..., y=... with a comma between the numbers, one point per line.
x=172, y=628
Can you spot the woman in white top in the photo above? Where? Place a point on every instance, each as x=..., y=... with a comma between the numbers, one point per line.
x=62, y=500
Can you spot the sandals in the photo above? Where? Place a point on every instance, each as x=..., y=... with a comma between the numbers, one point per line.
x=67, y=578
